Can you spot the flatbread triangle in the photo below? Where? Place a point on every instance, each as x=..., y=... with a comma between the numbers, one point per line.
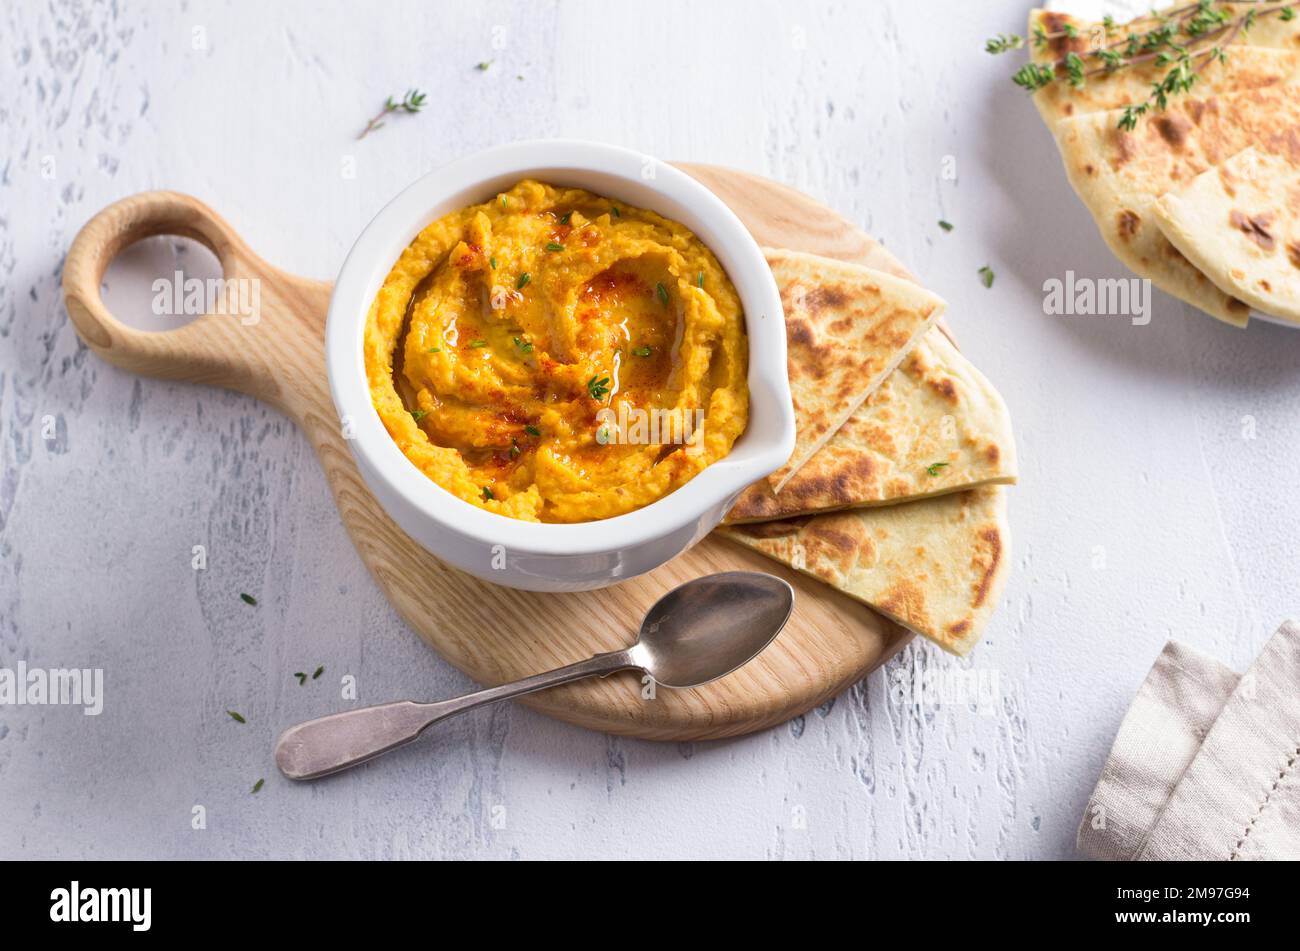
x=936, y=425
x=937, y=566
x=847, y=328
x=1239, y=224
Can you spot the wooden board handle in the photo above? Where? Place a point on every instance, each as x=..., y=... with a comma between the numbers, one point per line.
x=269, y=353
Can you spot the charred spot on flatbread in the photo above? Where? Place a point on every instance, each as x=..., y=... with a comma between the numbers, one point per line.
x=1254, y=227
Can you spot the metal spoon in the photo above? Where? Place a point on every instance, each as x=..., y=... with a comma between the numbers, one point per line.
x=695, y=633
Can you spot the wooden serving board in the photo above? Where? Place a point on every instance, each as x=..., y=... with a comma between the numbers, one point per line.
x=496, y=634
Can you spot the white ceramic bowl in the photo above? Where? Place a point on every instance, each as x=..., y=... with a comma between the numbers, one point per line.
x=554, y=557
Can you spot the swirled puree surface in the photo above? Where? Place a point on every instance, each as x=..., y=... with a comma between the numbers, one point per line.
x=513, y=344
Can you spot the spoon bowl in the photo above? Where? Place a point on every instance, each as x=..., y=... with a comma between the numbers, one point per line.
x=708, y=627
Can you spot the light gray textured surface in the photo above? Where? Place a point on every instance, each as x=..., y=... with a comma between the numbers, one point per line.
x=1142, y=513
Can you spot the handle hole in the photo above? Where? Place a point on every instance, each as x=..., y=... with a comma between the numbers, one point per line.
x=142, y=289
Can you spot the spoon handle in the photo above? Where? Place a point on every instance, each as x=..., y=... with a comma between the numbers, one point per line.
x=329, y=744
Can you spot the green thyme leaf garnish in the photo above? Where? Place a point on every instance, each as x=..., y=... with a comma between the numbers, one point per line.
x=478, y=344
x=663, y=294
x=615, y=212
x=257, y=786
x=317, y=672
x=1129, y=120
x=598, y=387
x=483, y=66
x=934, y=467
x=419, y=414
x=487, y=493
x=532, y=430
x=523, y=281
x=986, y=275
x=1002, y=43
x=302, y=678
x=238, y=718
x=247, y=598
x=1033, y=76
x=564, y=218
x=699, y=280
x=641, y=352
x=523, y=345
x=493, y=262
x=514, y=449
x=555, y=246
x=434, y=350
x=412, y=102
x=1075, y=71
x=945, y=225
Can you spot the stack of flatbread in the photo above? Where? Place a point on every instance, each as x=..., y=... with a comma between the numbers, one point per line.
x=1203, y=198
x=894, y=493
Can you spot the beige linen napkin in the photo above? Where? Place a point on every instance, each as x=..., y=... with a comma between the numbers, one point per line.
x=1206, y=764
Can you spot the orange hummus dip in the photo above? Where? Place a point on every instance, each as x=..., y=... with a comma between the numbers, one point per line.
x=511, y=337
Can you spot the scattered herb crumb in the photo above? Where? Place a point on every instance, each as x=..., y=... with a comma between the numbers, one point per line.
x=493, y=262
x=302, y=678
x=478, y=344
x=523, y=281
x=487, y=493
x=247, y=598
x=663, y=294
x=317, y=672
x=483, y=66
x=237, y=717
x=615, y=212
x=555, y=246
x=641, y=352
x=434, y=350
x=257, y=786
x=986, y=275
x=523, y=345
x=419, y=414
x=598, y=387
x=945, y=225
x=699, y=281
x=934, y=467
x=532, y=430
x=564, y=218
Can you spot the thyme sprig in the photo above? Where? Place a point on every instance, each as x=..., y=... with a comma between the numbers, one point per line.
x=412, y=102
x=1186, y=39
x=1002, y=43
